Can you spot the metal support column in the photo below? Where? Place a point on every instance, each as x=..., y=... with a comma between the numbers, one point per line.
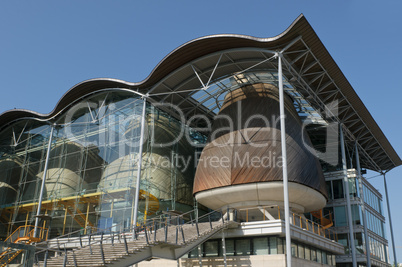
x=139, y=164
x=49, y=146
x=390, y=220
x=199, y=256
x=347, y=195
x=284, y=163
x=363, y=208
x=224, y=248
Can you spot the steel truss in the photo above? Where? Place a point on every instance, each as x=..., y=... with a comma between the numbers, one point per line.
x=201, y=86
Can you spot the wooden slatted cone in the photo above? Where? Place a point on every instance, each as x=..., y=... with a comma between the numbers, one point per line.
x=241, y=164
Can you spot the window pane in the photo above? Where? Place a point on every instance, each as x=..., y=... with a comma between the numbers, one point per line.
x=319, y=256
x=324, y=257
x=260, y=246
x=338, y=188
x=211, y=249
x=313, y=255
x=352, y=187
x=229, y=247
x=281, y=245
x=329, y=259
x=300, y=248
x=294, y=249
x=356, y=214
x=340, y=216
x=307, y=252
x=343, y=239
x=273, y=248
x=242, y=247
x=193, y=253
x=329, y=190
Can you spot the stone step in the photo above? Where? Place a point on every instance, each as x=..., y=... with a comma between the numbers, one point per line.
x=116, y=251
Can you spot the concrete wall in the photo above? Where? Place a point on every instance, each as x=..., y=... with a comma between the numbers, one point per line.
x=254, y=260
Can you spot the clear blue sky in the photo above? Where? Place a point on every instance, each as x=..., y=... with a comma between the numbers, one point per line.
x=46, y=47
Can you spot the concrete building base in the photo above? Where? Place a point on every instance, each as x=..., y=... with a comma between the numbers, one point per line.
x=253, y=260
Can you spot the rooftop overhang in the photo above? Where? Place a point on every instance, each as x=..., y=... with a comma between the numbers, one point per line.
x=195, y=76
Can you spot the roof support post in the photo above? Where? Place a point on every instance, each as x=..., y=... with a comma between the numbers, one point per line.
x=359, y=177
x=347, y=195
x=284, y=163
x=139, y=164
x=224, y=248
x=390, y=220
x=42, y=188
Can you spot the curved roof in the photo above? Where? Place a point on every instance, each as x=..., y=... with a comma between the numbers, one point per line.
x=195, y=65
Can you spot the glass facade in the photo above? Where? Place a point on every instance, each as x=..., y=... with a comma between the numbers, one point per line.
x=93, y=163
x=373, y=210
x=372, y=199
x=265, y=245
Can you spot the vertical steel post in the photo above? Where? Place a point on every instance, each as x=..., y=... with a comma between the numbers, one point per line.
x=390, y=220
x=359, y=178
x=49, y=146
x=348, y=206
x=224, y=248
x=284, y=163
x=139, y=164
x=199, y=255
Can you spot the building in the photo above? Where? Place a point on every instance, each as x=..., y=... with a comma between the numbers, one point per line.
x=374, y=227
x=203, y=135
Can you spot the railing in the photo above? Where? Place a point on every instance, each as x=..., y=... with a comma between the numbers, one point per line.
x=23, y=233
x=27, y=231
x=171, y=229
x=258, y=214
x=184, y=229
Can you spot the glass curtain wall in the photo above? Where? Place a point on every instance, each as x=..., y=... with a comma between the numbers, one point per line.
x=92, y=166
x=23, y=149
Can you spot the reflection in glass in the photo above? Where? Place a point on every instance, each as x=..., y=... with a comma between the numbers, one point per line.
x=92, y=166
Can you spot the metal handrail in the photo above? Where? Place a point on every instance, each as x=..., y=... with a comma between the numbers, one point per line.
x=148, y=229
x=149, y=225
x=55, y=239
x=298, y=221
x=17, y=233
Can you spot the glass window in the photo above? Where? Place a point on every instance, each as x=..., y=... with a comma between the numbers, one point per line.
x=211, y=249
x=338, y=188
x=300, y=252
x=359, y=243
x=243, y=247
x=294, y=249
x=260, y=246
x=329, y=259
x=193, y=253
x=319, y=256
x=352, y=187
x=93, y=153
x=356, y=214
x=273, y=248
x=281, y=245
x=307, y=253
x=313, y=254
x=340, y=216
x=230, y=250
x=324, y=257
x=329, y=189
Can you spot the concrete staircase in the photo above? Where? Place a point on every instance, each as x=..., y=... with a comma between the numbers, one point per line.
x=169, y=242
